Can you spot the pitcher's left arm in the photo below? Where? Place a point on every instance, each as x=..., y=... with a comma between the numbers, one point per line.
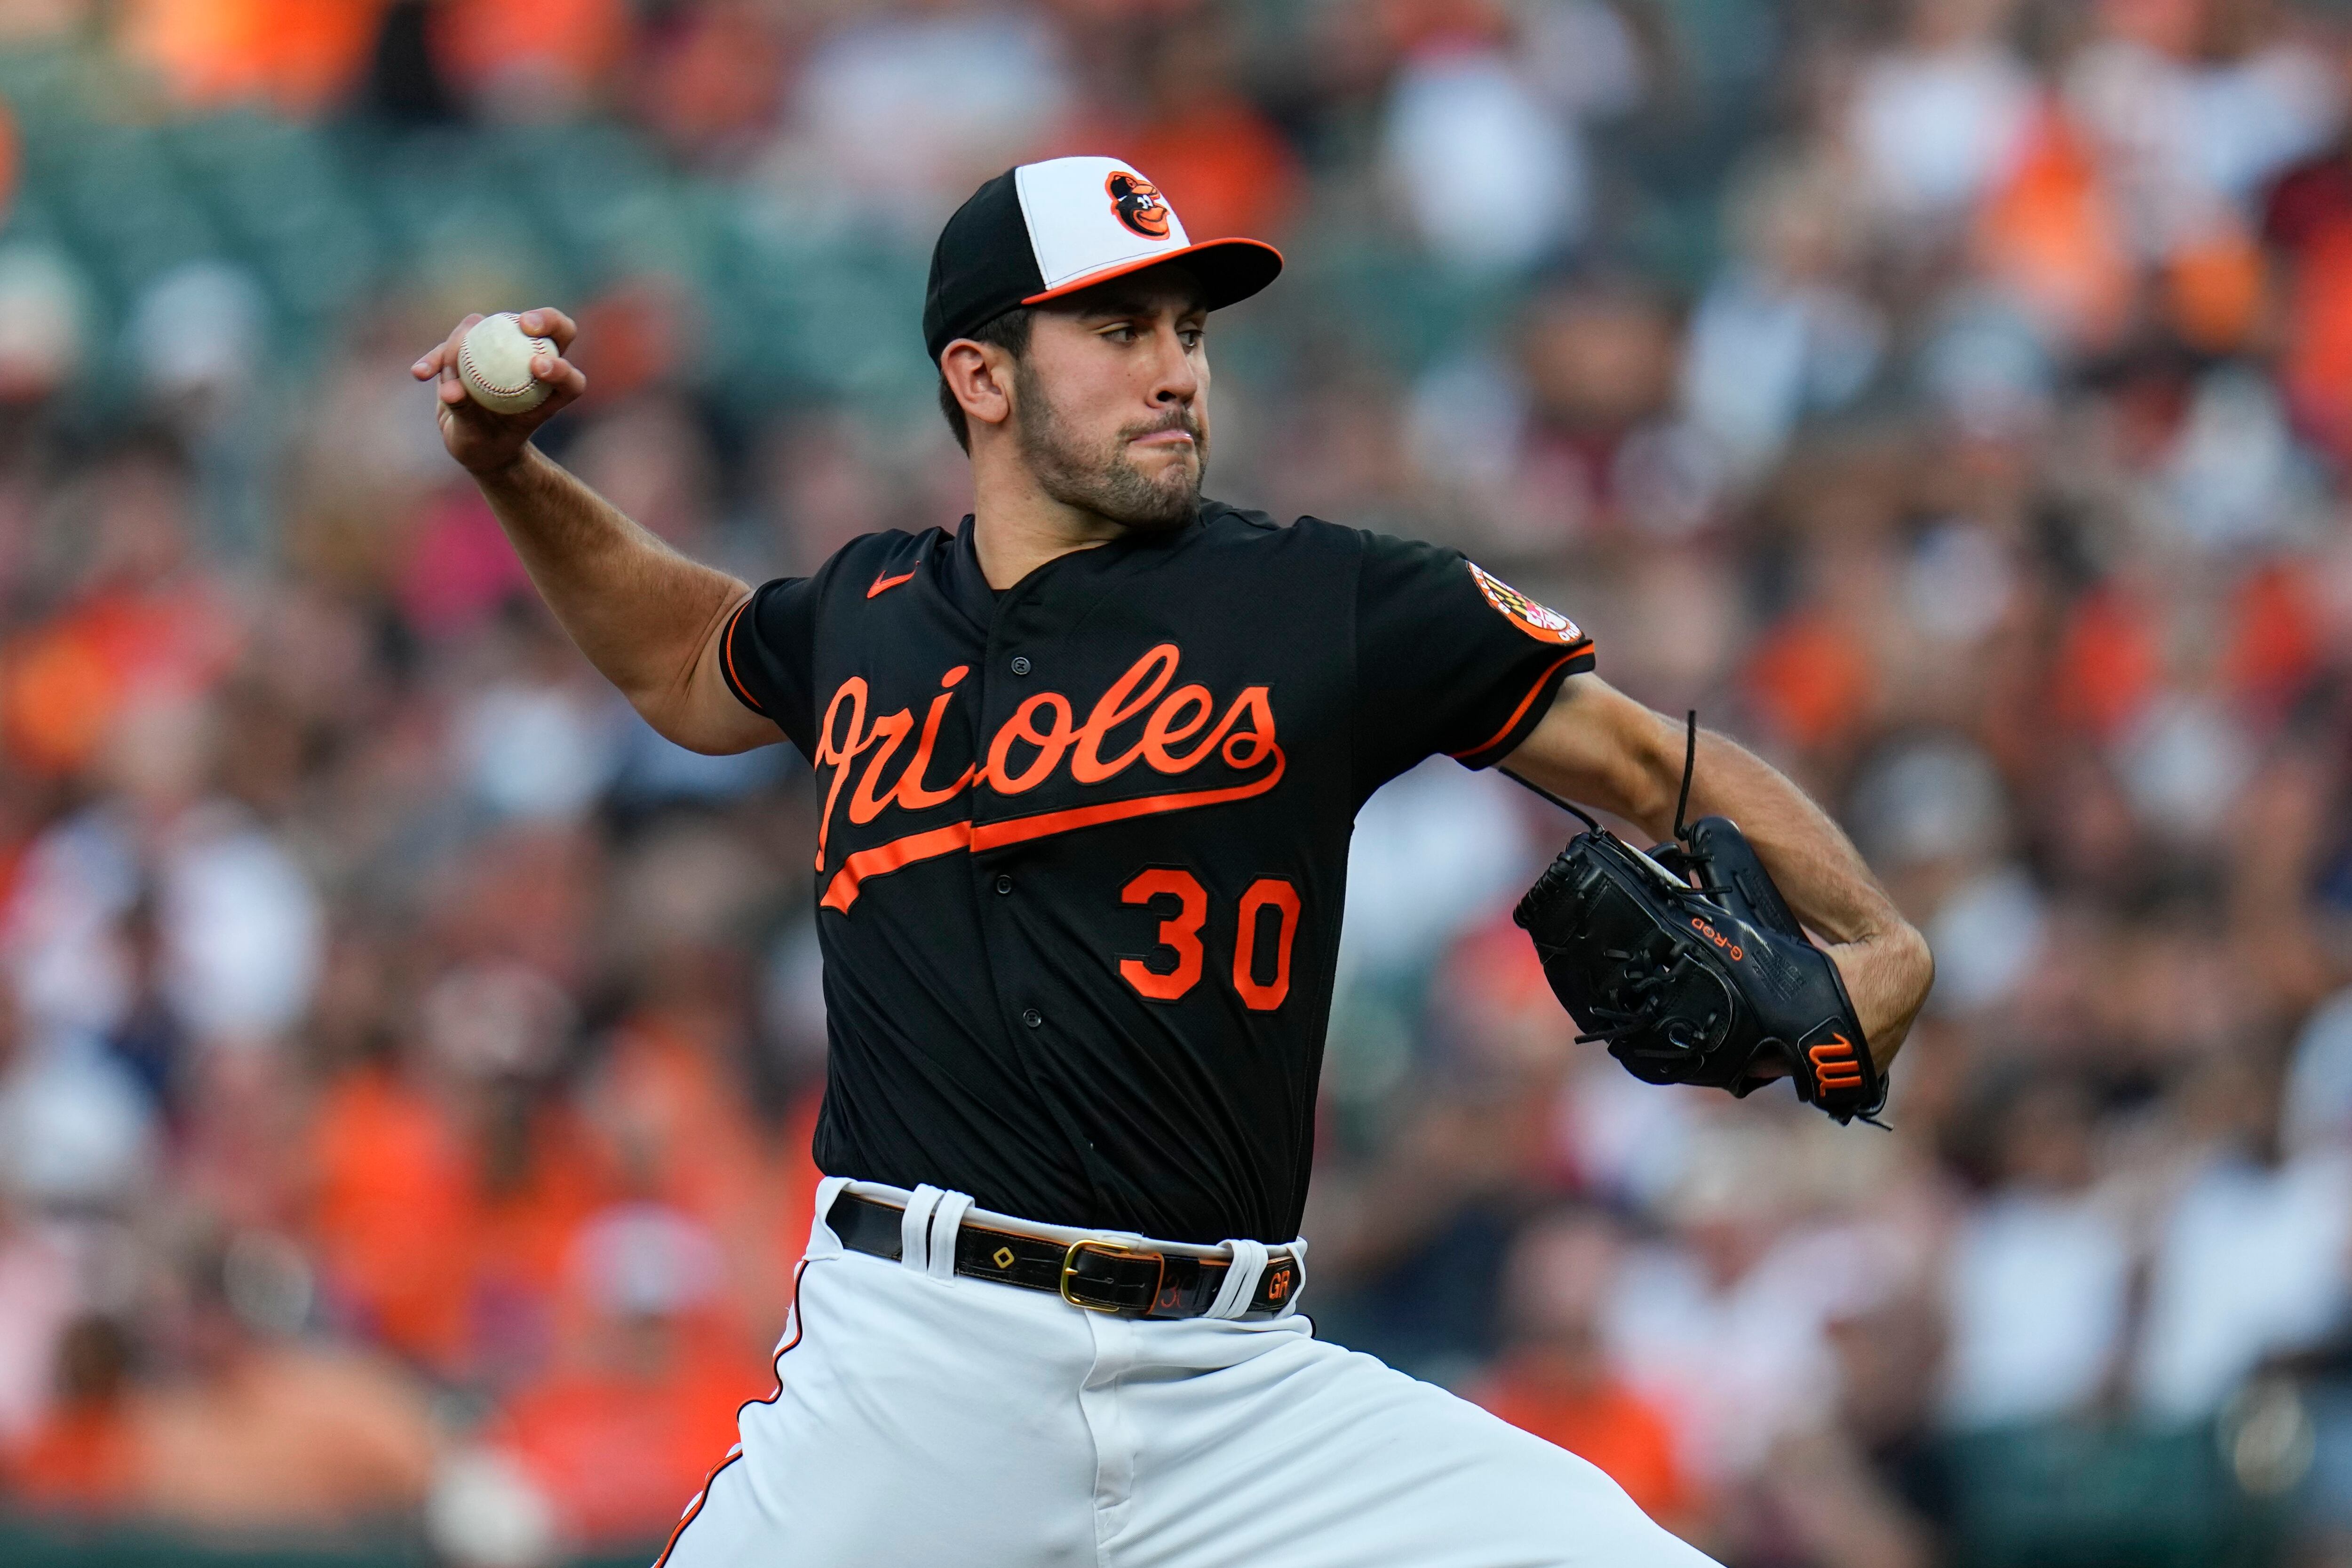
x=1599, y=747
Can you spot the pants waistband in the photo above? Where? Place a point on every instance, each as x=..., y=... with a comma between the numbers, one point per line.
x=945, y=1235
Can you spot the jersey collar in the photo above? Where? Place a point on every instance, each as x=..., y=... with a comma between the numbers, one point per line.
x=967, y=587
x=964, y=583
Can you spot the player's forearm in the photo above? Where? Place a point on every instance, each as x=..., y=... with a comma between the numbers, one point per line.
x=1600, y=746
x=1883, y=958
x=639, y=610
x=1815, y=865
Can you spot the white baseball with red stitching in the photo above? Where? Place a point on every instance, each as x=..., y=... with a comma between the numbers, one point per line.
x=494, y=364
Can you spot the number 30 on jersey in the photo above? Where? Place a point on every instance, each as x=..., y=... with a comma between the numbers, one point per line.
x=1260, y=980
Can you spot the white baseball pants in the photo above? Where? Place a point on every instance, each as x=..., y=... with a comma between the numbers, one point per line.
x=924, y=1419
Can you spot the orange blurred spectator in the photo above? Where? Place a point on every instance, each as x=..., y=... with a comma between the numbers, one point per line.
x=2277, y=637
x=708, y=79
x=645, y=328
x=539, y=1181
x=2216, y=285
x=266, y=1431
x=2049, y=233
x=1554, y=1380
x=2309, y=219
x=1813, y=678
x=529, y=60
x=496, y=1033
x=2319, y=362
x=621, y=1436
x=302, y=56
x=2109, y=662
x=1223, y=165
x=149, y=621
x=83, y=1456
x=670, y=1113
x=394, y=1215
x=56, y=692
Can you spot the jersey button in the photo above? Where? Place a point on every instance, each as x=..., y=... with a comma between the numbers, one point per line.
x=1033, y=1017
x=1004, y=884
x=1020, y=664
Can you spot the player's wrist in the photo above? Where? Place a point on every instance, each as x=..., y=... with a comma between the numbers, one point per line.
x=505, y=470
x=1901, y=952
x=1887, y=974
x=1915, y=964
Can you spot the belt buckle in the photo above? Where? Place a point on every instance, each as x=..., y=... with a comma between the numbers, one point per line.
x=1108, y=1250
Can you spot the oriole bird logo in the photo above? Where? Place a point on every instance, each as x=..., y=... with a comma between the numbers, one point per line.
x=1137, y=203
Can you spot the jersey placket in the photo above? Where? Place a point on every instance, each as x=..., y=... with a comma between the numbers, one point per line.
x=1016, y=666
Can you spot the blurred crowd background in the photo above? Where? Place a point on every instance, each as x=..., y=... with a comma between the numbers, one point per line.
x=407, y=1060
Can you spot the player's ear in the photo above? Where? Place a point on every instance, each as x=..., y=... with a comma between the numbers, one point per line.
x=980, y=378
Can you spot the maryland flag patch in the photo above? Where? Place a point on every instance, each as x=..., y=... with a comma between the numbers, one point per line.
x=1540, y=622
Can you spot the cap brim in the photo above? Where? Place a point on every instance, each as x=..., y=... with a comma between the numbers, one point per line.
x=1230, y=270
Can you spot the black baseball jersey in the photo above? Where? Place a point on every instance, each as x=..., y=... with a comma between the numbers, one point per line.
x=1085, y=842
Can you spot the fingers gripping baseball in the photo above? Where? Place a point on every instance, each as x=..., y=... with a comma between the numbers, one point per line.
x=486, y=426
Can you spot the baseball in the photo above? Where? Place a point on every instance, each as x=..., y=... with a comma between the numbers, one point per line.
x=494, y=363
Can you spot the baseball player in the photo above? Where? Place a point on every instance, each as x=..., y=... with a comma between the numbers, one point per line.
x=1090, y=761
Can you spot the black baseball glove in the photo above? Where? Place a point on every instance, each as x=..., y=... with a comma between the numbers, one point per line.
x=1686, y=961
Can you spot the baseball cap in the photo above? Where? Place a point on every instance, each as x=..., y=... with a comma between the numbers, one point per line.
x=1040, y=231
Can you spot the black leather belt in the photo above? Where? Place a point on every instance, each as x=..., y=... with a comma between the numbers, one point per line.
x=1099, y=1275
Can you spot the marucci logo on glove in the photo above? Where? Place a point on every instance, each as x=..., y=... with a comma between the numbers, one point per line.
x=1540, y=622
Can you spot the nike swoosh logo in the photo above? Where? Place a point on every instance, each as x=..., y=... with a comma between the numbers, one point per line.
x=883, y=584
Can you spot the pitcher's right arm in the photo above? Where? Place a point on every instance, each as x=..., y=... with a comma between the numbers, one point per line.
x=645, y=616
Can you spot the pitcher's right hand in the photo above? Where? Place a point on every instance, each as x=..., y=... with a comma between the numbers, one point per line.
x=485, y=441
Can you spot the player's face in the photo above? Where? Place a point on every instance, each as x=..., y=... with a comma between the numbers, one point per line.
x=1112, y=401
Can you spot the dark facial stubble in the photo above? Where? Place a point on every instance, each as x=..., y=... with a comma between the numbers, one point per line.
x=1106, y=481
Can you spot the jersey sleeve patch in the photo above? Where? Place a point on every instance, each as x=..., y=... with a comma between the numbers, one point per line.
x=1540, y=621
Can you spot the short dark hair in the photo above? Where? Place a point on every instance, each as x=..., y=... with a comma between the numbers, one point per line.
x=1009, y=333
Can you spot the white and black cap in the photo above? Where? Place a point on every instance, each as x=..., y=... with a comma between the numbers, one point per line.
x=1044, y=230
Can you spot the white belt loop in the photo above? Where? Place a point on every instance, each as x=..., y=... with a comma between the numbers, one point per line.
x=946, y=1218
x=915, y=1227
x=823, y=1242
x=1241, y=1279
x=1297, y=1278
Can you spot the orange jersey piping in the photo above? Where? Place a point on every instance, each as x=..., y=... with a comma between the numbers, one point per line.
x=1582, y=652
